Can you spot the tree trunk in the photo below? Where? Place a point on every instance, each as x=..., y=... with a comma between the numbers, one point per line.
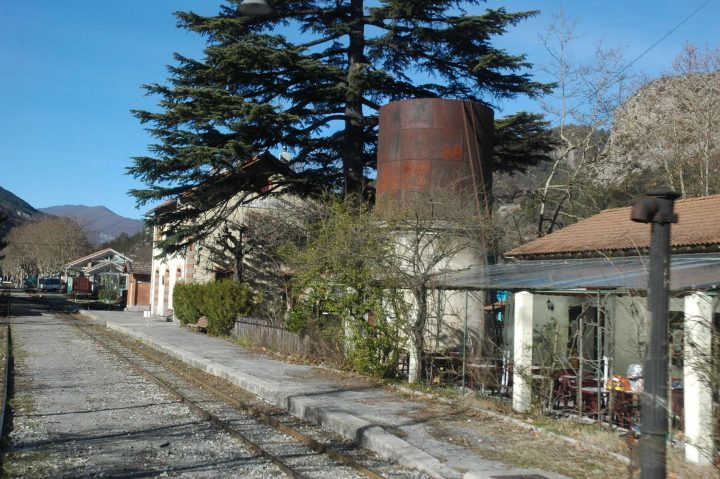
x=354, y=145
x=238, y=269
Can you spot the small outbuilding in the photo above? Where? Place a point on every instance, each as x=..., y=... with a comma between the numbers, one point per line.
x=102, y=268
x=138, y=285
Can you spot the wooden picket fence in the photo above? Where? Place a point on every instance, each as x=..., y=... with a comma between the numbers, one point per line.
x=276, y=338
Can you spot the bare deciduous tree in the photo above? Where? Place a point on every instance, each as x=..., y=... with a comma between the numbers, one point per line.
x=670, y=125
x=43, y=247
x=581, y=111
x=436, y=233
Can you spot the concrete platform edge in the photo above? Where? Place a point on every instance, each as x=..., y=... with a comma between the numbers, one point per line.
x=370, y=436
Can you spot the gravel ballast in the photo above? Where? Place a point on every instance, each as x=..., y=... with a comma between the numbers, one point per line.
x=79, y=412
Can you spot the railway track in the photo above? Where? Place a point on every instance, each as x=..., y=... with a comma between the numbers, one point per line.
x=5, y=370
x=274, y=435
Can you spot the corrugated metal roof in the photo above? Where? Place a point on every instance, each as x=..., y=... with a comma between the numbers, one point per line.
x=612, y=230
x=97, y=255
x=687, y=272
x=104, y=265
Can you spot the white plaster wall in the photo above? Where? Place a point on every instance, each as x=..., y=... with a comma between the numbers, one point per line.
x=171, y=263
x=631, y=321
x=452, y=308
x=453, y=320
x=700, y=310
x=522, y=350
x=204, y=268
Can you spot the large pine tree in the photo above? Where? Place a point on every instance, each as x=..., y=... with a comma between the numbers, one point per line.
x=309, y=78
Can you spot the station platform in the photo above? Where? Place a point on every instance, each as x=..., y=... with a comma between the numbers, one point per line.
x=395, y=425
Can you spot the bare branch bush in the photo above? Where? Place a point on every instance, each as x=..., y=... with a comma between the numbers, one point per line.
x=429, y=235
x=286, y=223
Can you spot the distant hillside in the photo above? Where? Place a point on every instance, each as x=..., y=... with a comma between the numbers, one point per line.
x=99, y=223
x=16, y=209
x=15, y=206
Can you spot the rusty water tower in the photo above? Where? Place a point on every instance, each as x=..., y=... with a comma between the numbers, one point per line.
x=429, y=145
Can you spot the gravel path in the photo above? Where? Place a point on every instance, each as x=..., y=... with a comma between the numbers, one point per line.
x=78, y=412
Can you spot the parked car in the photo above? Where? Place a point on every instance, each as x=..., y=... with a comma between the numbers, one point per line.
x=30, y=283
x=50, y=284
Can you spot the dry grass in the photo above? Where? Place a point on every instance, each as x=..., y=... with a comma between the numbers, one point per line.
x=525, y=442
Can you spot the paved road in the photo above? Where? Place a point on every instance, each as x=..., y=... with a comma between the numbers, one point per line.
x=79, y=412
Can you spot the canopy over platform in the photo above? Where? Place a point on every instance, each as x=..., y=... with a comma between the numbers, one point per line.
x=688, y=272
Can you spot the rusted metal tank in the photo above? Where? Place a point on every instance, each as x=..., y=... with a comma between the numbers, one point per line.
x=429, y=146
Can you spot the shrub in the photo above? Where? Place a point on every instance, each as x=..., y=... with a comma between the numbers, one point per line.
x=224, y=301
x=221, y=302
x=107, y=294
x=188, y=302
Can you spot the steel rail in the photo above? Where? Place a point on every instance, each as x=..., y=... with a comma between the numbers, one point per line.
x=201, y=412
x=234, y=402
x=262, y=417
x=5, y=376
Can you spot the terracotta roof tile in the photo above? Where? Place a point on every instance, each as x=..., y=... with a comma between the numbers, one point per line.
x=613, y=230
x=138, y=267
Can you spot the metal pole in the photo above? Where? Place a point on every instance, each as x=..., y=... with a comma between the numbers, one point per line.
x=657, y=209
x=580, y=374
x=599, y=359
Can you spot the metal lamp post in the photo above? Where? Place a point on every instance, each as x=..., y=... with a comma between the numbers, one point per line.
x=657, y=209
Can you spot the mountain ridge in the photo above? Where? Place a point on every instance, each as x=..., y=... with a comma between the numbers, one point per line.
x=100, y=222
x=16, y=209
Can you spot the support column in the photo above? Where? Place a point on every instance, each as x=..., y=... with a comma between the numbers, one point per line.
x=522, y=351
x=697, y=394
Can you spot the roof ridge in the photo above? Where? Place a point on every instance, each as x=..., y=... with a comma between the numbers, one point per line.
x=680, y=200
x=613, y=229
x=697, y=198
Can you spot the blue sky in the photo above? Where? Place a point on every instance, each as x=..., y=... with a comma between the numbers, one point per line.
x=72, y=70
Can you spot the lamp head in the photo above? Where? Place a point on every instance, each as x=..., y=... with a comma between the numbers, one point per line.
x=255, y=7
x=655, y=207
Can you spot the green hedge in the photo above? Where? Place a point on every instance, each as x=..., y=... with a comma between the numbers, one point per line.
x=226, y=300
x=221, y=302
x=187, y=302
